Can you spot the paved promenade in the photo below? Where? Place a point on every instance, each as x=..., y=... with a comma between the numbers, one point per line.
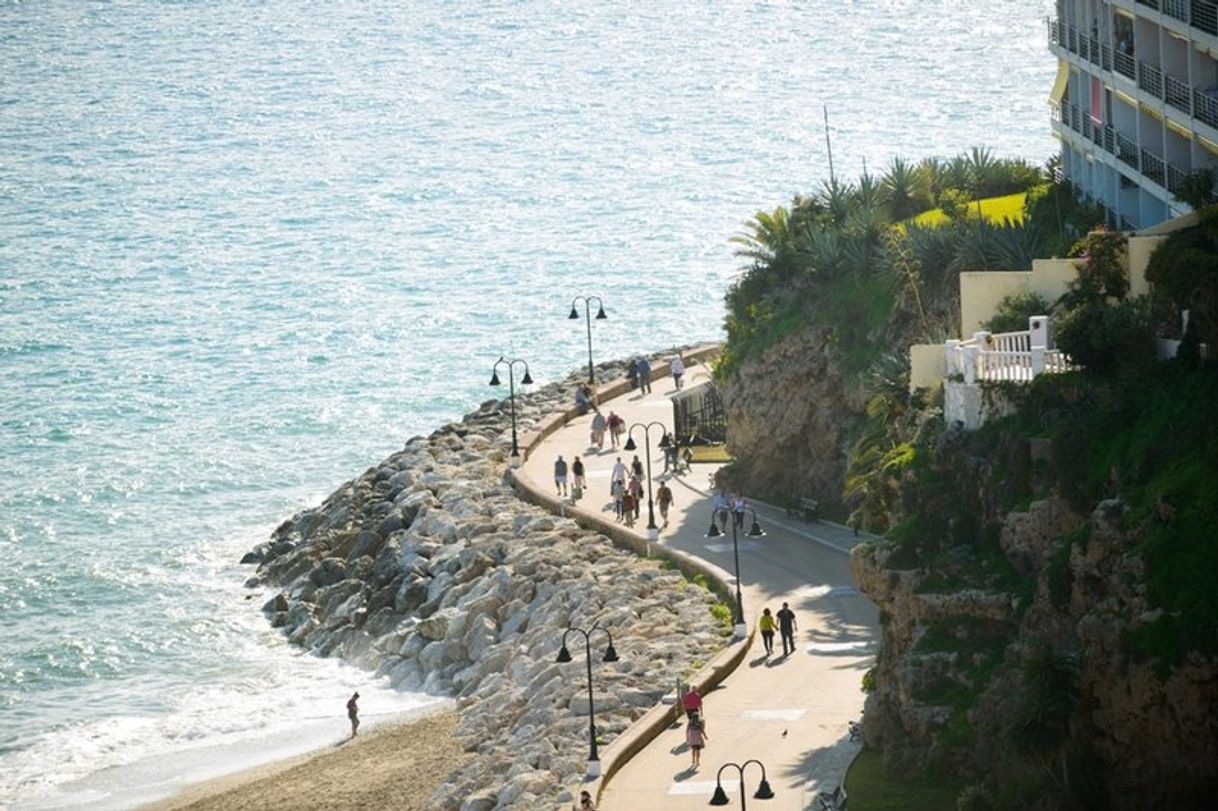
x=790, y=713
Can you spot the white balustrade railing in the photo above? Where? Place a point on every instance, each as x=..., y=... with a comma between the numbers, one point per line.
x=1013, y=356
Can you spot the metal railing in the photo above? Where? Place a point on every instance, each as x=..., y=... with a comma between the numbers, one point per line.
x=1149, y=4
x=1109, y=140
x=1177, y=9
x=1176, y=93
x=1175, y=178
x=1205, y=107
x=1150, y=78
x=1153, y=167
x=1126, y=150
x=1205, y=16
x=1124, y=64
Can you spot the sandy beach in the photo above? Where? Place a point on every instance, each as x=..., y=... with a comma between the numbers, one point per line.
x=396, y=765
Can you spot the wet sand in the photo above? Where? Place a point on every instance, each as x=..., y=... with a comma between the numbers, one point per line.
x=395, y=766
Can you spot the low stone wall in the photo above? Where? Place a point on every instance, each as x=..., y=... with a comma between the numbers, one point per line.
x=431, y=571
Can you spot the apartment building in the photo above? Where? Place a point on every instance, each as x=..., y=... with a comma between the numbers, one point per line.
x=1135, y=103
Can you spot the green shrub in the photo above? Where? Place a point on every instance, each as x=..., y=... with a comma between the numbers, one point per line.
x=1014, y=311
x=1103, y=338
x=975, y=797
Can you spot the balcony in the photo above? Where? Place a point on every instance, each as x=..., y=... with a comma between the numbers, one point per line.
x=1150, y=79
x=1124, y=64
x=1175, y=178
x=1177, y=9
x=1205, y=108
x=1149, y=4
x=1205, y=16
x=1177, y=94
x=1126, y=150
x=1154, y=168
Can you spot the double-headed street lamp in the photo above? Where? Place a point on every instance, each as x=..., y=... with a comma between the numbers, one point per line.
x=764, y=792
x=564, y=655
x=653, y=531
x=600, y=316
x=755, y=531
x=524, y=381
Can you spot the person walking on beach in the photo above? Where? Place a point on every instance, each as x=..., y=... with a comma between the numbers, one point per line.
x=677, y=367
x=695, y=736
x=786, y=625
x=598, y=430
x=560, y=475
x=766, y=626
x=579, y=482
x=353, y=714
x=644, y=367
x=664, y=499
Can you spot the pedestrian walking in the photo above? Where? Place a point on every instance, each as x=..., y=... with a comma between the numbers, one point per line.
x=670, y=452
x=560, y=475
x=630, y=508
x=692, y=700
x=786, y=625
x=721, y=510
x=644, y=367
x=739, y=505
x=635, y=488
x=578, y=479
x=598, y=429
x=677, y=367
x=636, y=467
x=617, y=427
x=353, y=714
x=766, y=626
x=617, y=491
x=585, y=802
x=618, y=474
x=695, y=736
x=664, y=499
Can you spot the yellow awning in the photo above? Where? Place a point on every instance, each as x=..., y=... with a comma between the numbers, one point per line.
x=1059, y=84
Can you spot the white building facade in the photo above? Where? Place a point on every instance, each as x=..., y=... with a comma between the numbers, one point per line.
x=1135, y=104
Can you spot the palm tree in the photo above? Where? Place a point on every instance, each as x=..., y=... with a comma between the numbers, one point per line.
x=769, y=243
x=981, y=170
x=933, y=173
x=901, y=190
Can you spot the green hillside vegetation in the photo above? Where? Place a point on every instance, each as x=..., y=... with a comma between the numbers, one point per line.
x=850, y=259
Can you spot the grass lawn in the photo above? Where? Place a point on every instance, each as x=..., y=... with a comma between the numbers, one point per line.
x=710, y=453
x=995, y=209
x=870, y=789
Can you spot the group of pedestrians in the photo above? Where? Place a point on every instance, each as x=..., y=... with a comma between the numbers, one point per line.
x=785, y=622
x=578, y=477
x=730, y=507
x=639, y=373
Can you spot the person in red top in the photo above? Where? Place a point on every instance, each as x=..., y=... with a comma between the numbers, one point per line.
x=693, y=700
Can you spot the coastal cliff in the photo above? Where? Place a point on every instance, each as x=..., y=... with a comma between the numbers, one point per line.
x=427, y=569
x=1041, y=665
x=790, y=416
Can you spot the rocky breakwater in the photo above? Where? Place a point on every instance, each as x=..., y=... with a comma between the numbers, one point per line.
x=428, y=570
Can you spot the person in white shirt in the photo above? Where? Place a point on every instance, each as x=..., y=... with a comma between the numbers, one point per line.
x=678, y=369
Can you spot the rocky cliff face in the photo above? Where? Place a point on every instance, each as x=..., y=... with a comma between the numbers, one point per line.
x=428, y=570
x=789, y=415
x=952, y=676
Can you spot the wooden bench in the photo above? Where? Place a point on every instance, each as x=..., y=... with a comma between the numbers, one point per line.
x=808, y=509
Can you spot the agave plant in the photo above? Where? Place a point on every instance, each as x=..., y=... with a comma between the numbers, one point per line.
x=902, y=190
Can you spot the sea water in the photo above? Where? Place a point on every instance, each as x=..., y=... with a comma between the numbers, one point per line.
x=248, y=248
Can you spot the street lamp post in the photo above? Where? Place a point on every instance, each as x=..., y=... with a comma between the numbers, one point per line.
x=755, y=531
x=564, y=655
x=653, y=531
x=600, y=316
x=524, y=381
x=764, y=792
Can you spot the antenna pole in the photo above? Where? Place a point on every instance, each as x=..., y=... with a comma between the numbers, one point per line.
x=829, y=147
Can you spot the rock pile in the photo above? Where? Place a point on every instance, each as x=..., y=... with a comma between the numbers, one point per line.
x=428, y=570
